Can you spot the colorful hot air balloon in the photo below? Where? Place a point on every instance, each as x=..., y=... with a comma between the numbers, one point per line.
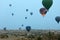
x=57, y=19
x=28, y=28
x=47, y=3
x=43, y=11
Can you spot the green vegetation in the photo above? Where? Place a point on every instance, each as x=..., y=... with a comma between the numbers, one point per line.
x=3, y=36
x=33, y=35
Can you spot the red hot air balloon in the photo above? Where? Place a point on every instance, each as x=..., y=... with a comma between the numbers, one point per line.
x=43, y=11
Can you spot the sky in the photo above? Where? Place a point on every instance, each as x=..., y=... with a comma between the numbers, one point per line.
x=36, y=21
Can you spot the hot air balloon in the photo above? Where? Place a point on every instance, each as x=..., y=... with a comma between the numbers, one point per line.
x=10, y=5
x=47, y=3
x=57, y=19
x=43, y=11
x=26, y=10
x=12, y=14
x=25, y=17
x=4, y=28
x=31, y=13
x=28, y=28
x=22, y=25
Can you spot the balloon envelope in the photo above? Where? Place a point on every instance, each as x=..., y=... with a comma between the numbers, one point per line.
x=22, y=25
x=12, y=14
x=47, y=3
x=57, y=19
x=25, y=17
x=26, y=10
x=28, y=28
x=10, y=5
x=43, y=11
x=31, y=13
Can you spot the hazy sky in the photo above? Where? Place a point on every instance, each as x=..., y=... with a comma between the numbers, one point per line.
x=36, y=21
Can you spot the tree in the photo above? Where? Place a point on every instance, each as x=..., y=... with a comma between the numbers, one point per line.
x=50, y=35
x=58, y=37
x=39, y=38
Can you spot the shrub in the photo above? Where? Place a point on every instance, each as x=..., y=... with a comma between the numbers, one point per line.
x=3, y=36
x=39, y=38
